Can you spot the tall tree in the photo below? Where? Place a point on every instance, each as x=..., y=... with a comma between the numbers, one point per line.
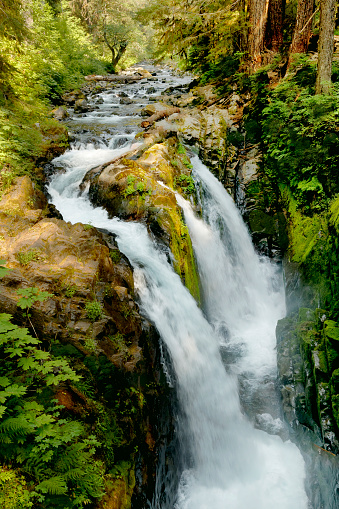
x=303, y=27
x=275, y=25
x=258, y=13
x=325, y=46
x=112, y=23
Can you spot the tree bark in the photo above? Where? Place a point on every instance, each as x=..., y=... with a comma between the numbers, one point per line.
x=159, y=115
x=325, y=46
x=274, y=27
x=117, y=53
x=258, y=12
x=303, y=27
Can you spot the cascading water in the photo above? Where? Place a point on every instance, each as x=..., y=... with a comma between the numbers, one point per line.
x=243, y=294
x=229, y=463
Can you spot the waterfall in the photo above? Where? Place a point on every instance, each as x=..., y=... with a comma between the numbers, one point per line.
x=231, y=464
x=217, y=352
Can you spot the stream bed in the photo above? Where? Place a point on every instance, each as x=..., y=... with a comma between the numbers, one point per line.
x=235, y=448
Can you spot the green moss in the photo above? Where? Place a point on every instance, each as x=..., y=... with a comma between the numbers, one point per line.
x=26, y=257
x=170, y=220
x=13, y=490
x=331, y=341
x=93, y=311
x=306, y=314
x=115, y=255
x=121, y=483
x=322, y=359
x=185, y=184
x=314, y=246
x=334, y=213
x=305, y=232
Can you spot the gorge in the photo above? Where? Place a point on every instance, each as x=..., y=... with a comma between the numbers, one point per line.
x=233, y=451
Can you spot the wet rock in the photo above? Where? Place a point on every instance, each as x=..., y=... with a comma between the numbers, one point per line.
x=60, y=113
x=132, y=189
x=126, y=100
x=305, y=374
x=71, y=97
x=81, y=106
x=151, y=109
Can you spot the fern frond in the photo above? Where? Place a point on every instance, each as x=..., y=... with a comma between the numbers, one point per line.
x=74, y=474
x=93, y=484
x=54, y=486
x=69, y=460
x=16, y=426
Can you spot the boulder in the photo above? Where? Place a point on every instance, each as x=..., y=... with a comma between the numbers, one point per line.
x=71, y=97
x=126, y=100
x=143, y=188
x=60, y=113
x=151, y=109
x=81, y=106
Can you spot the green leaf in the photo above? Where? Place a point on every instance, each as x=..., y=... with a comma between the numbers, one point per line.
x=4, y=381
x=3, y=270
x=13, y=390
x=54, y=486
x=30, y=296
x=28, y=363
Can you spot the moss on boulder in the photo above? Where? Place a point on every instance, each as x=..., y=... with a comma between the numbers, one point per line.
x=144, y=189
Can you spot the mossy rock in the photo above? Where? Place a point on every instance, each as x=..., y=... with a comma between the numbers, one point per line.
x=260, y=222
x=119, y=487
x=335, y=395
x=331, y=340
x=335, y=408
x=133, y=189
x=306, y=314
x=331, y=330
x=334, y=213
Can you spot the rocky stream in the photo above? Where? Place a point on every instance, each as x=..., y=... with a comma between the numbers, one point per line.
x=148, y=223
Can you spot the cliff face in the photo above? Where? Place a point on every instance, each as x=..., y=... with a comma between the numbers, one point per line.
x=92, y=319
x=284, y=228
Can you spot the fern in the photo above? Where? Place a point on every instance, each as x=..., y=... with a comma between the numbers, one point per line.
x=54, y=486
x=15, y=426
x=54, y=452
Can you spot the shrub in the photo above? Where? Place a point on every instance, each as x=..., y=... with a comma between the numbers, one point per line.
x=93, y=311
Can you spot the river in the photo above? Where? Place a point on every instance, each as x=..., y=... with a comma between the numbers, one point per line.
x=236, y=450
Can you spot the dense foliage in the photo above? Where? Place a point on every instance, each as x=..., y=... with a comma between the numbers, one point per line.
x=61, y=444
x=297, y=134
x=297, y=131
x=54, y=452
x=47, y=48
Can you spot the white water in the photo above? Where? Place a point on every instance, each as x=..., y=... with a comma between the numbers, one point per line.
x=231, y=464
x=243, y=295
x=234, y=466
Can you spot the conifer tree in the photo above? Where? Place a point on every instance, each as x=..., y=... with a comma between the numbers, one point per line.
x=303, y=27
x=325, y=46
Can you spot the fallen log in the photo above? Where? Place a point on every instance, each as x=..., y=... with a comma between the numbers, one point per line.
x=159, y=115
x=114, y=78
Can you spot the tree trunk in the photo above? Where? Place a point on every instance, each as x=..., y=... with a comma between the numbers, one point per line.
x=117, y=53
x=274, y=28
x=303, y=27
x=325, y=46
x=258, y=12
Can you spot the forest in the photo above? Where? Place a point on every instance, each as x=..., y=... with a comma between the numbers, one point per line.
x=77, y=429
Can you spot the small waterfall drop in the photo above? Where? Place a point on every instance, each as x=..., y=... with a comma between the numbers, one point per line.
x=229, y=464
